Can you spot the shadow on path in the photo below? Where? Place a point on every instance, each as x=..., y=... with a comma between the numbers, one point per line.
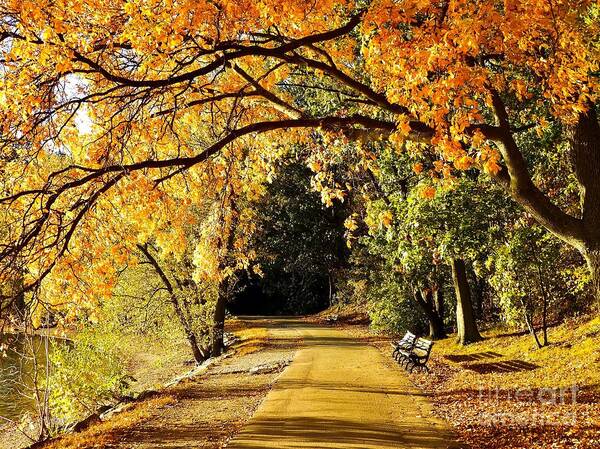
x=322, y=433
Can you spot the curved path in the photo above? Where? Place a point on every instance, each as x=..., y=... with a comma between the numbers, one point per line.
x=340, y=392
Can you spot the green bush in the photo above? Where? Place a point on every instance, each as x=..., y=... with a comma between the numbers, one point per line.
x=85, y=374
x=392, y=309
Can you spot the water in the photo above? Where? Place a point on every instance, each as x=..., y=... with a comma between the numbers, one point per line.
x=17, y=373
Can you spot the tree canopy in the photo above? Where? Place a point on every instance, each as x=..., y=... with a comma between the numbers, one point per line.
x=121, y=118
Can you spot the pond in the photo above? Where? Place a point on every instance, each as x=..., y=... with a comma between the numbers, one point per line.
x=18, y=362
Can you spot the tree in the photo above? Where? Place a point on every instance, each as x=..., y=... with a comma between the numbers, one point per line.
x=96, y=94
x=528, y=278
x=400, y=237
x=182, y=304
x=466, y=326
x=299, y=241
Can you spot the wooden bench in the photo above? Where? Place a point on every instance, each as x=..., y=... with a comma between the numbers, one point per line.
x=417, y=356
x=406, y=344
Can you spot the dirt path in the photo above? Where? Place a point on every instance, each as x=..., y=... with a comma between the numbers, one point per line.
x=340, y=393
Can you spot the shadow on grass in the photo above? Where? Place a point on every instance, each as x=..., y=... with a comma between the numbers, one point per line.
x=505, y=366
x=458, y=358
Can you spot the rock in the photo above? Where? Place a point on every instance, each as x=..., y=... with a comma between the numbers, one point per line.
x=230, y=339
x=268, y=368
x=146, y=394
x=118, y=408
x=87, y=422
x=332, y=318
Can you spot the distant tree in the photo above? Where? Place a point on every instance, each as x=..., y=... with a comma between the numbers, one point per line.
x=299, y=241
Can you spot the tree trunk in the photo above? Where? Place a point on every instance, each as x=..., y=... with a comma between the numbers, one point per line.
x=580, y=233
x=218, y=329
x=585, y=157
x=592, y=257
x=20, y=307
x=199, y=355
x=432, y=307
x=465, y=316
x=529, y=323
x=330, y=280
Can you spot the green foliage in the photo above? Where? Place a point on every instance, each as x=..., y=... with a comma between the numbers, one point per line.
x=299, y=242
x=527, y=270
x=86, y=374
x=141, y=306
x=391, y=307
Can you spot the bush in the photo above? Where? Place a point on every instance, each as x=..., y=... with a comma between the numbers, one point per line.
x=392, y=309
x=85, y=375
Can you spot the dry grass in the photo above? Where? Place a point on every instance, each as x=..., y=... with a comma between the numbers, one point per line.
x=106, y=432
x=572, y=358
x=251, y=339
x=505, y=393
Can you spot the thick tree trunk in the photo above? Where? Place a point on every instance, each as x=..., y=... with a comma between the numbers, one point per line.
x=218, y=329
x=465, y=316
x=585, y=156
x=592, y=258
x=436, y=327
x=581, y=233
x=20, y=307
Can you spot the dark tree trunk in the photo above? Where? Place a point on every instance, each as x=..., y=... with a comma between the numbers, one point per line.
x=218, y=329
x=224, y=247
x=585, y=156
x=432, y=304
x=20, y=307
x=465, y=316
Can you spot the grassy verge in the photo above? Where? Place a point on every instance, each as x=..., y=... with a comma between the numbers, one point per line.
x=203, y=412
x=505, y=393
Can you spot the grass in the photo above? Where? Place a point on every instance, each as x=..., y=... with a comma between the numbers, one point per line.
x=106, y=432
x=504, y=392
x=572, y=357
